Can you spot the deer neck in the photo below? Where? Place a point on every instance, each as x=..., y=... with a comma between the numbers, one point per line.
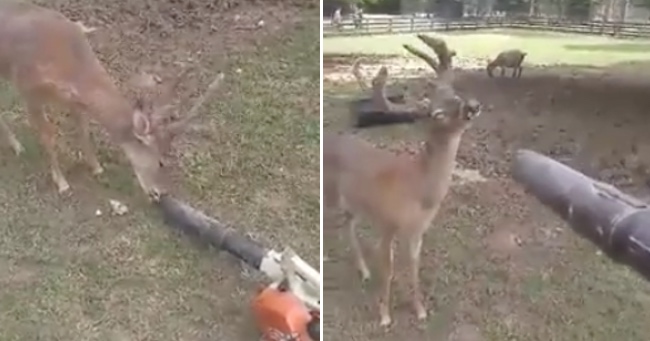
x=105, y=104
x=437, y=161
x=439, y=152
x=115, y=113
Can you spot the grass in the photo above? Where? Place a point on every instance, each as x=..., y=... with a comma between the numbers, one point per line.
x=68, y=274
x=542, y=48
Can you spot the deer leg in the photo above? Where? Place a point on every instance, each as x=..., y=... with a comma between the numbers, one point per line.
x=360, y=262
x=331, y=200
x=386, y=260
x=11, y=138
x=514, y=72
x=47, y=134
x=521, y=69
x=86, y=144
x=415, y=248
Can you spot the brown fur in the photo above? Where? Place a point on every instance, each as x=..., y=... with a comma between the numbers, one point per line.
x=50, y=62
x=398, y=194
x=508, y=59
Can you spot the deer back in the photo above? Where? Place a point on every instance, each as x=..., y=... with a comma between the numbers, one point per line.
x=375, y=182
x=49, y=59
x=39, y=46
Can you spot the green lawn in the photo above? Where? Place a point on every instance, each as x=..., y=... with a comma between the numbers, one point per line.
x=542, y=48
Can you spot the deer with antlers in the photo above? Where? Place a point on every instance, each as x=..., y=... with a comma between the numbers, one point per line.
x=398, y=194
x=48, y=59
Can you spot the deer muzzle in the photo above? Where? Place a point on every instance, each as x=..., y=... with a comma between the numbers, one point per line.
x=473, y=109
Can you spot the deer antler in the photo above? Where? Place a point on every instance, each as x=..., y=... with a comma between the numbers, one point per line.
x=420, y=54
x=357, y=74
x=443, y=66
x=162, y=103
x=380, y=99
x=175, y=127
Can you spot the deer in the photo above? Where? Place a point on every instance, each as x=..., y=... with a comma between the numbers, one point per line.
x=508, y=59
x=398, y=194
x=50, y=62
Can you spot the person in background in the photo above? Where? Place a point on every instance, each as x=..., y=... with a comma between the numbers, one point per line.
x=336, y=19
x=358, y=17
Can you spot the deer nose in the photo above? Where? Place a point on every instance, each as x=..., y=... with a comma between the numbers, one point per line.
x=155, y=195
x=473, y=107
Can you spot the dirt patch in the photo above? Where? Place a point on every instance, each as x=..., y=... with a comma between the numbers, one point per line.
x=494, y=258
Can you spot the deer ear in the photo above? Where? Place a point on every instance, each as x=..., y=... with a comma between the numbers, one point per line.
x=141, y=124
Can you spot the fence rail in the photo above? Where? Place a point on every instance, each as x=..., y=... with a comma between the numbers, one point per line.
x=401, y=24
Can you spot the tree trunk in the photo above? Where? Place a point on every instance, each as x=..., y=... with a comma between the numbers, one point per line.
x=624, y=5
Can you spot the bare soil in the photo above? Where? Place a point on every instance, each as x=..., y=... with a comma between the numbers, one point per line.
x=496, y=264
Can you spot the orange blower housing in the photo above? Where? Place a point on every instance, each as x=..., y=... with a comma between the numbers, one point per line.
x=281, y=316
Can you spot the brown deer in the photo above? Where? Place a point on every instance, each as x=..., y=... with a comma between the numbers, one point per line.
x=398, y=194
x=48, y=59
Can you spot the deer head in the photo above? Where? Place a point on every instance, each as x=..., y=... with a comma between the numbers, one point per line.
x=155, y=119
x=155, y=125
x=441, y=107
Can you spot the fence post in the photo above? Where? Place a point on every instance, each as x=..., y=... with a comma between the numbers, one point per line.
x=412, y=24
x=390, y=25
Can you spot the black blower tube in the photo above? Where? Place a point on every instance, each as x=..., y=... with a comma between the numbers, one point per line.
x=617, y=223
x=313, y=329
x=195, y=223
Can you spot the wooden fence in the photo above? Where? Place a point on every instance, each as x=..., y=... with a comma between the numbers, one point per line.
x=403, y=24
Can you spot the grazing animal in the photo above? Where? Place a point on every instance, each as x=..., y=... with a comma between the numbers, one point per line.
x=48, y=59
x=508, y=59
x=398, y=194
